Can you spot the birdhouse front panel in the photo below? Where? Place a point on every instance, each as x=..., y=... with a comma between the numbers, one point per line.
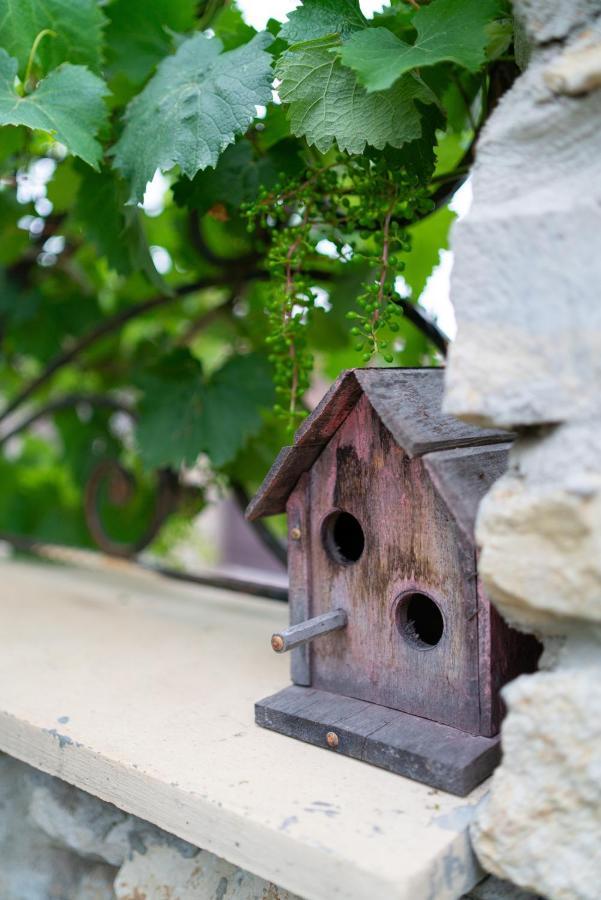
x=384, y=548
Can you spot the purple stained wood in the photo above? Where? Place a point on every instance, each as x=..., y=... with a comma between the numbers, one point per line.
x=381, y=490
x=412, y=545
x=463, y=476
x=409, y=403
x=504, y=654
x=299, y=569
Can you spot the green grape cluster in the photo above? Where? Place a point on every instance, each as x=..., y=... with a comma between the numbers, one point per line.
x=287, y=215
x=364, y=206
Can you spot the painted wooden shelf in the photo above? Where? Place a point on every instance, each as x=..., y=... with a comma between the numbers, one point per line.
x=140, y=690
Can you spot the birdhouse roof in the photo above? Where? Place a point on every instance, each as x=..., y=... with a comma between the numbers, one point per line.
x=409, y=404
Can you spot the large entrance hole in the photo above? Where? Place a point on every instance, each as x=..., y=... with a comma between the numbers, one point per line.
x=419, y=620
x=343, y=537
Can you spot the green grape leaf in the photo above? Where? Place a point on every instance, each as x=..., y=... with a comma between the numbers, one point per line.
x=447, y=30
x=114, y=229
x=76, y=26
x=428, y=238
x=235, y=395
x=317, y=18
x=140, y=34
x=327, y=105
x=230, y=27
x=192, y=109
x=182, y=414
x=237, y=177
x=67, y=104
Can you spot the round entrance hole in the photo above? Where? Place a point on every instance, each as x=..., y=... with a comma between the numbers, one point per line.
x=343, y=537
x=419, y=620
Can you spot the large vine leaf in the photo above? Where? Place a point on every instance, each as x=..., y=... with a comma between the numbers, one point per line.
x=76, y=26
x=68, y=104
x=317, y=18
x=193, y=108
x=447, y=30
x=182, y=414
x=327, y=105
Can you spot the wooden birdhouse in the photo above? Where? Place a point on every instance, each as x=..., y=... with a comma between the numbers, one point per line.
x=397, y=655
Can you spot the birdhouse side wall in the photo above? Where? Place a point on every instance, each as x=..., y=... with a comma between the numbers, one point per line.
x=504, y=654
x=299, y=573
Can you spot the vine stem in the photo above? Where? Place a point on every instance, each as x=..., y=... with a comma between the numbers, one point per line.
x=68, y=401
x=34, y=49
x=104, y=328
x=287, y=314
x=288, y=195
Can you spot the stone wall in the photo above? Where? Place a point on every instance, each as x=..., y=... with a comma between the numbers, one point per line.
x=59, y=843
x=527, y=291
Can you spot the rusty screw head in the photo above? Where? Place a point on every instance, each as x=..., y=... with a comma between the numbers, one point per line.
x=295, y=534
x=277, y=642
x=332, y=739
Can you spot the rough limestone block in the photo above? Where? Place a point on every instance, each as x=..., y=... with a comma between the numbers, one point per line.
x=547, y=20
x=540, y=827
x=495, y=889
x=96, y=884
x=162, y=872
x=90, y=827
x=578, y=69
x=527, y=262
x=539, y=529
x=32, y=866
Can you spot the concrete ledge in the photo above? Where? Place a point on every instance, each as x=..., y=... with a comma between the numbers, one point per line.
x=141, y=691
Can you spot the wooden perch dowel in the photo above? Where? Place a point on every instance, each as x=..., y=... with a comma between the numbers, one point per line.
x=282, y=641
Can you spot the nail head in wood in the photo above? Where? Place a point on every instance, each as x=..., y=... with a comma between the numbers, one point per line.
x=277, y=642
x=295, y=534
x=332, y=739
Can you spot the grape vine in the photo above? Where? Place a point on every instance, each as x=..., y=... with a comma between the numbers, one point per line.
x=299, y=180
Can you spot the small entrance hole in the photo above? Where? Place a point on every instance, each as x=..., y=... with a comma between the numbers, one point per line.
x=343, y=537
x=419, y=620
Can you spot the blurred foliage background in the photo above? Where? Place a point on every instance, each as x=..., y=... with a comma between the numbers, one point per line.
x=136, y=381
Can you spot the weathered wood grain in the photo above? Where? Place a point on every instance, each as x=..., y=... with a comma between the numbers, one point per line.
x=504, y=654
x=463, y=476
x=425, y=751
x=331, y=411
x=296, y=635
x=280, y=481
x=412, y=543
x=299, y=572
x=409, y=403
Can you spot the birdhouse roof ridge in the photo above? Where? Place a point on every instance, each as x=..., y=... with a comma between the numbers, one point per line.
x=407, y=401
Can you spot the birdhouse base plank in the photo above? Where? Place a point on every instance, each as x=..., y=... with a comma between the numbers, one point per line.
x=437, y=755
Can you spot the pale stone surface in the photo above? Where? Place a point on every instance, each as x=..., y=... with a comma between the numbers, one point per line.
x=88, y=826
x=162, y=872
x=548, y=20
x=497, y=889
x=527, y=262
x=539, y=531
x=578, y=69
x=51, y=835
x=33, y=866
x=541, y=826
